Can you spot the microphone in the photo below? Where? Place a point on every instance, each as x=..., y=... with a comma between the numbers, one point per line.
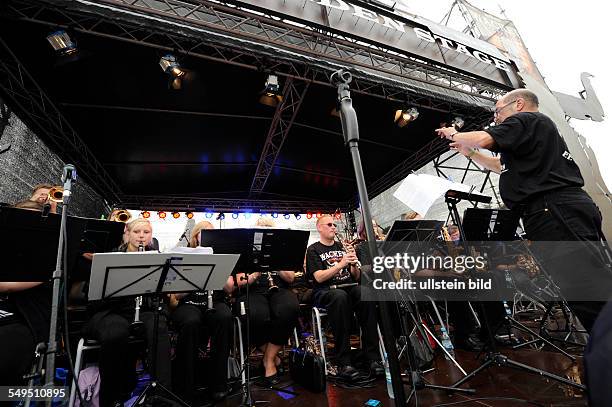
x=69, y=176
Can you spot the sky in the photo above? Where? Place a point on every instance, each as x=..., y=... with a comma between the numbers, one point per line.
x=564, y=39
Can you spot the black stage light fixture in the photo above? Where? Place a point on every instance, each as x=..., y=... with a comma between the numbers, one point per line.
x=405, y=116
x=270, y=95
x=170, y=65
x=61, y=43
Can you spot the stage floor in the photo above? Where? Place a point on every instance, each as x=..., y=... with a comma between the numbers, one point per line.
x=500, y=382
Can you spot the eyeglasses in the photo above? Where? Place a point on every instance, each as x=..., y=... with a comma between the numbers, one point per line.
x=330, y=225
x=499, y=109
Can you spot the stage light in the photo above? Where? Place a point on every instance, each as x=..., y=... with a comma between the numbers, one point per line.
x=270, y=95
x=403, y=117
x=220, y=216
x=308, y=215
x=208, y=215
x=458, y=123
x=319, y=215
x=161, y=214
x=298, y=216
x=176, y=215
x=287, y=216
x=189, y=215
x=62, y=43
x=235, y=215
x=145, y=214
x=170, y=65
x=247, y=215
x=338, y=215
x=274, y=215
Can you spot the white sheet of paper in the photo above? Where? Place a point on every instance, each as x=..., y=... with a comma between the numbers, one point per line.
x=196, y=250
x=419, y=192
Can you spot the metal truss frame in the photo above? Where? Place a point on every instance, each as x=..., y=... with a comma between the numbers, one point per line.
x=183, y=203
x=284, y=116
x=20, y=87
x=252, y=30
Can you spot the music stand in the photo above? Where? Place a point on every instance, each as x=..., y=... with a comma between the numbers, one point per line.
x=490, y=224
x=261, y=250
x=131, y=274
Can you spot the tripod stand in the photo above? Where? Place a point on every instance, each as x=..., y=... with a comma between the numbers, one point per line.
x=493, y=356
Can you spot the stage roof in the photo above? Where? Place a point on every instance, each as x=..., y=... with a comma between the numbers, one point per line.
x=143, y=145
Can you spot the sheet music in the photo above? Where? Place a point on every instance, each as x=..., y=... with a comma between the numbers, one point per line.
x=419, y=192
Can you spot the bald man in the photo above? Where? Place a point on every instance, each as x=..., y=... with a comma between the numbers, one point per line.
x=540, y=180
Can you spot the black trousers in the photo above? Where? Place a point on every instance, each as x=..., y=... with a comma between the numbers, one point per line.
x=340, y=304
x=272, y=316
x=17, y=346
x=117, y=363
x=194, y=326
x=568, y=214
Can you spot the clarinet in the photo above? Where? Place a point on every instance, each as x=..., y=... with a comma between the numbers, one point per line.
x=271, y=286
x=137, y=322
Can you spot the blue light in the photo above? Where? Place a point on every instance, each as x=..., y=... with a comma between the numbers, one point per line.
x=235, y=215
x=287, y=216
x=208, y=215
x=298, y=216
x=275, y=215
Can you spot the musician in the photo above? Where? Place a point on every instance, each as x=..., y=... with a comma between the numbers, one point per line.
x=40, y=194
x=29, y=305
x=273, y=313
x=110, y=326
x=194, y=324
x=539, y=179
x=329, y=264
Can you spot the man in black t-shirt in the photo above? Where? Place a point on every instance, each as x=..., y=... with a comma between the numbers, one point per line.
x=539, y=179
x=335, y=274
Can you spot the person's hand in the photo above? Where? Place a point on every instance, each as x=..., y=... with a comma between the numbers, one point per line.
x=446, y=132
x=88, y=256
x=461, y=148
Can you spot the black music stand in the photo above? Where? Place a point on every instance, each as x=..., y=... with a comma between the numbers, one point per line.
x=479, y=228
x=131, y=274
x=482, y=225
x=261, y=250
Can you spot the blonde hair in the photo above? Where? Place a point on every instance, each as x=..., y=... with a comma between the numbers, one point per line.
x=131, y=225
x=193, y=241
x=265, y=222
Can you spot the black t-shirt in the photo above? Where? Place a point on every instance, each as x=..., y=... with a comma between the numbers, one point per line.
x=534, y=157
x=32, y=307
x=322, y=257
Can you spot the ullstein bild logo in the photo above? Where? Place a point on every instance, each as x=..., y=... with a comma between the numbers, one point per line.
x=419, y=32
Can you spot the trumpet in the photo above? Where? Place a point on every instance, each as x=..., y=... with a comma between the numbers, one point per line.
x=120, y=215
x=56, y=194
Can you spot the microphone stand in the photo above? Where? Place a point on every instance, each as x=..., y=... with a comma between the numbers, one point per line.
x=69, y=176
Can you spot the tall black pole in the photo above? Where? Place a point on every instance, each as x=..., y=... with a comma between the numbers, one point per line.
x=350, y=129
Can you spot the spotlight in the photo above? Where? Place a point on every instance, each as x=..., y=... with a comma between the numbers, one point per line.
x=170, y=65
x=274, y=215
x=176, y=215
x=145, y=214
x=308, y=215
x=458, y=123
x=298, y=216
x=62, y=43
x=161, y=214
x=338, y=215
x=247, y=215
x=208, y=215
x=403, y=117
x=287, y=216
x=221, y=216
x=235, y=215
x=319, y=214
x=270, y=95
x=189, y=215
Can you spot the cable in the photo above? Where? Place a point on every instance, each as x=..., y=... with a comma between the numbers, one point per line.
x=491, y=398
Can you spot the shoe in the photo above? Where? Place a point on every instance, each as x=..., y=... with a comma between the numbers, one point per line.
x=471, y=343
x=268, y=381
x=377, y=369
x=348, y=372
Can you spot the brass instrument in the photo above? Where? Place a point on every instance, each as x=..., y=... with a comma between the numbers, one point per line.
x=56, y=194
x=120, y=215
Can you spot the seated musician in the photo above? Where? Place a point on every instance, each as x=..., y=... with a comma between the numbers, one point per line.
x=40, y=194
x=273, y=314
x=328, y=264
x=25, y=312
x=194, y=324
x=110, y=326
